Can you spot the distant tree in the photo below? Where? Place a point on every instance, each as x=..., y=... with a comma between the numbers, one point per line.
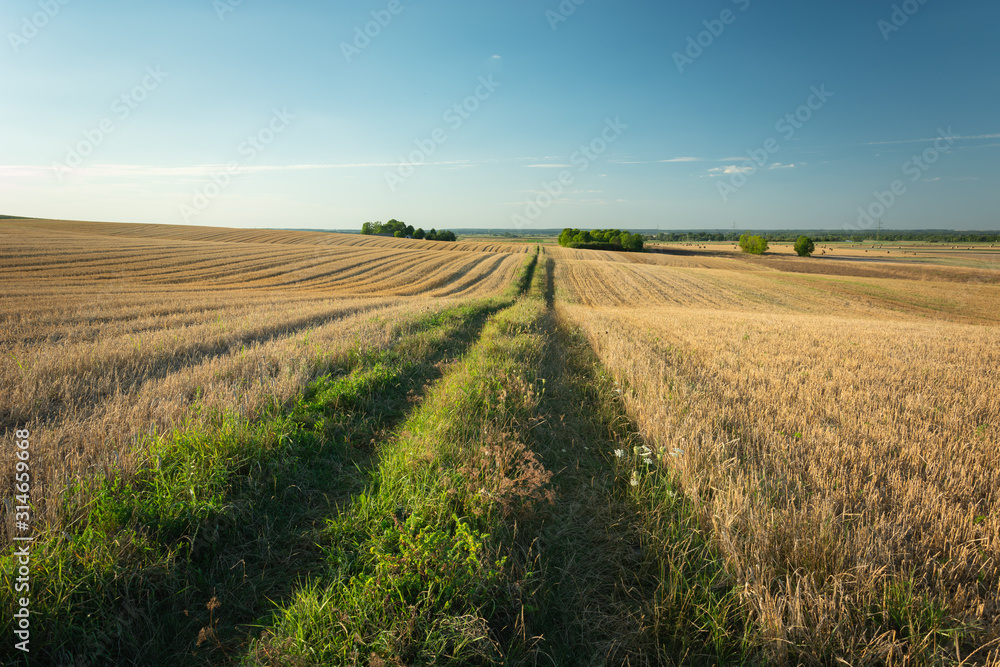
x=753, y=245
x=804, y=246
x=601, y=239
x=400, y=230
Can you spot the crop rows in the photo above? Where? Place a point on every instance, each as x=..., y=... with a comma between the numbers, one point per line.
x=841, y=446
x=111, y=331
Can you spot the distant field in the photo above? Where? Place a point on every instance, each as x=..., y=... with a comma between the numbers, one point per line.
x=206, y=258
x=269, y=447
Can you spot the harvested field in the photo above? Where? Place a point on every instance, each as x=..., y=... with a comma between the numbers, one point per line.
x=838, y=436
x=110, y=331
x=617, y=283
x=38, y=253
x=278, y=447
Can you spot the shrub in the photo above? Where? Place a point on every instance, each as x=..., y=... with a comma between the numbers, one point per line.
x=804, y=246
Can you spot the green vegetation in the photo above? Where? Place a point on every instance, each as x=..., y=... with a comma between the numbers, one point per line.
x=221, y=520
x=627, y=575
x=420, y=567
x=601, y=239
x=753, y=245
x=804, y=246
x=491, y=535
x=402, y=230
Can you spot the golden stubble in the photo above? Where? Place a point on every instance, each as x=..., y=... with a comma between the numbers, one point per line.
x=836, y=453
x=114, y=333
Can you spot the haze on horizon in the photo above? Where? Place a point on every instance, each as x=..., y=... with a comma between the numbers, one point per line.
x=583, y=113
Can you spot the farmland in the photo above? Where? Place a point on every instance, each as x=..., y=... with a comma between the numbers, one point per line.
x=271, y=447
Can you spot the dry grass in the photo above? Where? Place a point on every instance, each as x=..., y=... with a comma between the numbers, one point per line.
x=844, y=459
x=39, y=253
x=114, y=331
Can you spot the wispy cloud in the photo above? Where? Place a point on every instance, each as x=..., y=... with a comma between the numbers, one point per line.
x=924, y=141
x=683, y=159
x=730, y=169
x=548, y=166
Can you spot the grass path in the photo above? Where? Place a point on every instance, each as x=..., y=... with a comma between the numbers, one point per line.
x=502, y=528
x=628, y=576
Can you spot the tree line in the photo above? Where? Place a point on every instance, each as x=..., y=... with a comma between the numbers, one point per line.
x=601, y=239
x=401, y=230
x=927, y=236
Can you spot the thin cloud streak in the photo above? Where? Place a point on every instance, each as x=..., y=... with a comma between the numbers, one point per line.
x=924, y=141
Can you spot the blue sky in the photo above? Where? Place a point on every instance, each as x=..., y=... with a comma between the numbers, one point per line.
x=515, y=114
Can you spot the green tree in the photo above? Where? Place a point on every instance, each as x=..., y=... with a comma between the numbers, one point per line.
x=804, y=246
x=418, y=233
x=601, y=239
x=753, y=245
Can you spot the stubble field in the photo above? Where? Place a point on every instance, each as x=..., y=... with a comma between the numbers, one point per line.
x=268, y=447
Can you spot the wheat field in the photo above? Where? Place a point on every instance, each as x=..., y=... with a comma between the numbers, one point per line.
x=838, y=434
x=111, y=331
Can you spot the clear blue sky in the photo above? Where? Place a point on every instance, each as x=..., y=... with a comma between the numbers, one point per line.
x=668, y=136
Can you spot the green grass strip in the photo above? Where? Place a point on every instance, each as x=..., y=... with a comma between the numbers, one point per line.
x=173, y=564
x=419, y=570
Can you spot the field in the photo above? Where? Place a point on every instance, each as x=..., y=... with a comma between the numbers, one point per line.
x=266, y=447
